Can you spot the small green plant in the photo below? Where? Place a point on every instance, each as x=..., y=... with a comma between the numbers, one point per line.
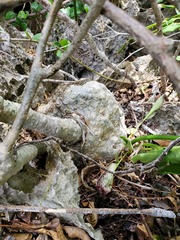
x=150, y=152
x=168, y=25
x=20, y=18
x=74, y=9
x=62, y=45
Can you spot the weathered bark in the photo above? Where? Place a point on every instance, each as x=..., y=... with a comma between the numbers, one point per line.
x=66, y=128
x=14, y=162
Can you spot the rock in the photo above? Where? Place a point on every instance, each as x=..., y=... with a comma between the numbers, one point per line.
x=102, y=115
x=57, y=188
x=167, y=120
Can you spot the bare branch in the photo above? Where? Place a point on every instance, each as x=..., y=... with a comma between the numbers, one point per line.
x=66, y=128
x=81, y=33
x=23, y=155
x=155, y=212
x=158, y=16
x=35, y=76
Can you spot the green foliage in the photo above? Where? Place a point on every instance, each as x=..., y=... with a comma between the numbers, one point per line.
x=156, y=106
x=21, y=18
x=23, y=14
x=150, y=152
x=171, y=24
x=36, y=7
x=62, y=45
x=10, y=15
x=168, y=25
x=154, y=137
x=70, y=9
x=36, y=37
x=178, y=58
x=20, y=24
x=169, y=164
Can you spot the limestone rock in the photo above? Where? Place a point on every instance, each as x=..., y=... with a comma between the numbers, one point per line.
x=102, y=115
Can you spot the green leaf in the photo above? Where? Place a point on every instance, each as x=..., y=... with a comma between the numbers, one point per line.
x=166, y=6
x=23, y=26
x=20, y=24
x=57, y=44
x=64, y=43
x=23, y=14
x=71, y=13
x=128, y=143
x=178, y=58
x=10, y=15
x=171, y=28
x=154, y=137
x=36, y=37
x=29, y=34
x=66, y=11
x=59, y=53
x=157, y=105
x=36, y=7
x=169, y=164
x=173, y=169
x=86, y=8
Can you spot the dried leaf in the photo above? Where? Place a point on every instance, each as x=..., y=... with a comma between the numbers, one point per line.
x=50, y=233
x=142, y=232
x=22, y=236
x=74, y=232
x=91, y=218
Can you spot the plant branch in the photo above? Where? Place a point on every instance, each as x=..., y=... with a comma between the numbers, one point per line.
x=158, y=16
x=35, y=76
x=67, y=129
x=81, y=32
x=24, y=154
x=155, y=212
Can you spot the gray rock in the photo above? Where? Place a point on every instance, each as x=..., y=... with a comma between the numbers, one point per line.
x=57, y=188
x=103, y=117
x=167, y=120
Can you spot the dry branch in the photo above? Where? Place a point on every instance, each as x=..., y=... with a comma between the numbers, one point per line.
x=67, y=129
x=155, y=212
